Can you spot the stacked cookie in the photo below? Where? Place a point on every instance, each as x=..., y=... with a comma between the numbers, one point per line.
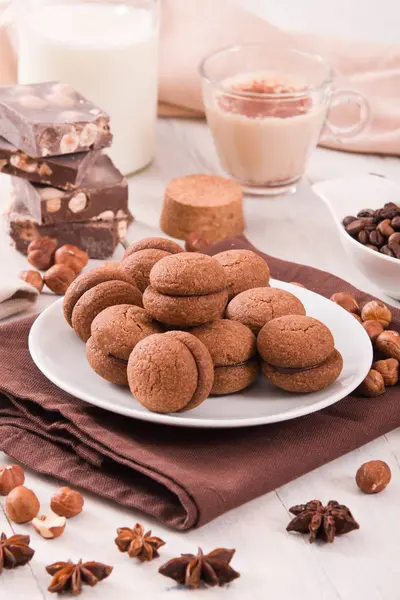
x=178, y=326
x=63, y=187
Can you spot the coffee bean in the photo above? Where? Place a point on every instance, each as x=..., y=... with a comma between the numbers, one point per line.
x=363, y=237
x=372, y=247
x=386, y=250
x=394, y=244
x=355, y=227
x=376, y=238
x=385, y=227
x=389, y=211
x=395, y=223
x=366, y=212
x=347, y=220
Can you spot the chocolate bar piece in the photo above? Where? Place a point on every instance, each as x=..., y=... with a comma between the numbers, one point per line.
x=49, y=119
x=98, y=238
x=103, y=190
x=64, y=172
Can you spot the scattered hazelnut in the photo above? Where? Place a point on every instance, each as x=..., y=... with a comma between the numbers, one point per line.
x=376, y=311
x=388, y=343
x=346, y=301
x=49, y=527
x=11, y=477
x=195, y=243
x=373, y=385
x=34, y=278
x=373, y=328
x=298, y=284
x=373, y=476
x=66, y=502
x=41, y=252
x=58, y=278
x=72, y=257
x=22, y=505
x=389, y=369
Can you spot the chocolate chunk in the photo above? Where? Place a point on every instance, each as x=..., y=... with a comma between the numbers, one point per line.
x=64, y=172
x=49, y=119
x=98, y=238
x=102, y=194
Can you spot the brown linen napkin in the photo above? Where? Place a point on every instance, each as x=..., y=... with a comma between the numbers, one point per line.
x=184, y=477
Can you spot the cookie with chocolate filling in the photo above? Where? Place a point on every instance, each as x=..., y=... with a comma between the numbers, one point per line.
x=244, y=270
x=170, y=372
x=233, y=350
x=257, y=306
x=298, y=354
x=109, y=367
x=186, y=289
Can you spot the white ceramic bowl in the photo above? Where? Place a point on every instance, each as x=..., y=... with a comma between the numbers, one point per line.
x=346, y=197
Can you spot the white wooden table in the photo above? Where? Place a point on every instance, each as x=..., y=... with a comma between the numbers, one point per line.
x=273, y=563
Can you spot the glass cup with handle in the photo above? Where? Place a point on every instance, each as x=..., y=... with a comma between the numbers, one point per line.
x=267, y=110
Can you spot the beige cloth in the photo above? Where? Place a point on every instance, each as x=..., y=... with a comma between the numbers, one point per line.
x=15, y=296
x=193, y=28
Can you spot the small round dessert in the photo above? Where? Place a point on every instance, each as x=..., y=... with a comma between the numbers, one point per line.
x=244, y=269
x=298, y=354
x=141, y=256
x=109, y=367
x=208, y=204
x=86, y=281
x=117, y=329
x=233, y=351
x=96, y=299
x=170, y=372
x=257, y=306
x=186, y=289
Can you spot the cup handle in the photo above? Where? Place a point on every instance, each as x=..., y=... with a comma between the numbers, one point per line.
x=347, y=97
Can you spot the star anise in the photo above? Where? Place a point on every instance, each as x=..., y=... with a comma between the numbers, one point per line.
x=138, y=544
x=14, y=551
x=68, y=577
x=322, y=521
x=211, y=569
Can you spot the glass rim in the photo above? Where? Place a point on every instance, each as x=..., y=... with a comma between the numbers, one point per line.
x=247, y=94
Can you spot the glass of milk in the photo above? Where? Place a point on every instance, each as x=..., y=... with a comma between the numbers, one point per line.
x=267, y=109
x=107, y=50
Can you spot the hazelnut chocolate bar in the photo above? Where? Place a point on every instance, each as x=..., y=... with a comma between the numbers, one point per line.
x=65, y=172
x=98, y=238
x=49, y=119
x=102, y=190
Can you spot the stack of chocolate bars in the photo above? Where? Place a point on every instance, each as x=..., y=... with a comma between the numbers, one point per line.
x=63, y=186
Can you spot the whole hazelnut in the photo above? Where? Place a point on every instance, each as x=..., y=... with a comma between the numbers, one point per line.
x=376, y=311
x=389, y=369
x=346, y=301
x=373, y=476
x=49, y=527
x=373, y=385
x=58, y=278
x=11, y=477
x=388, y=343
x=34, y=278
x=195, y=243
x=22, y=505
x=41, y=253
x=373, y=328
x=72, y=257
x=66, y=502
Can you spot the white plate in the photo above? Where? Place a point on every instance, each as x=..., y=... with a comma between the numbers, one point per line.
x=60, y=355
